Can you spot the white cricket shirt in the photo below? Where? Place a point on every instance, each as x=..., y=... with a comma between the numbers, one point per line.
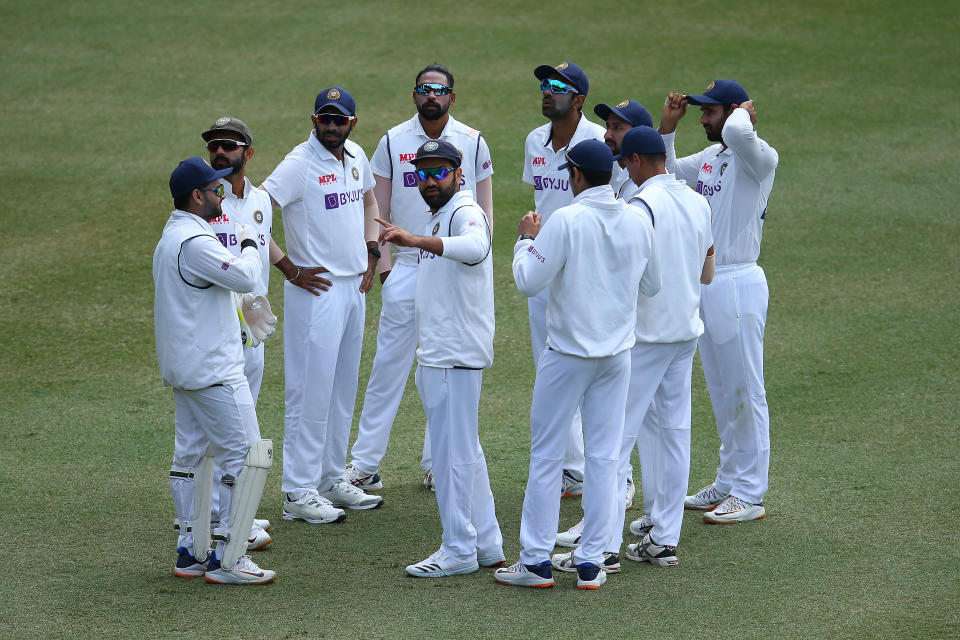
x=195, y=317
x=392, y=160
x=454, y=302
x=736, y=181
x=682, y=236
x=322, y=202
x=254, y=209
x=598, y=256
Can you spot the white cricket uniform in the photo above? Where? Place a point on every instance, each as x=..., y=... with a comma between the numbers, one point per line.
x=256, y=210
x=736, y=181
x=598, y=257
x=201, y=356
x=551, y=190
x=323, y=217
x=668, y=325
x=455, y=325
x=397, y=332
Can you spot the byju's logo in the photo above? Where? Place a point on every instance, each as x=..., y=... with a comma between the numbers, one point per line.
x=409, y=179
x=332, y=200
x=538, y=183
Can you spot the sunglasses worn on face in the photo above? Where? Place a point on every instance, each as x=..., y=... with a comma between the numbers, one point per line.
x=335, y=119
x=556, y=87
x=427, y=87
x=226, y=145
x=217, y=190
x=433, y=172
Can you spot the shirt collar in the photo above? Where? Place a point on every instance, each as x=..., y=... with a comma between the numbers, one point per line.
x=580, y=133
x=228, y=188
x=603, y=192
x=180, y=213
x=660, y=177
x=418, y=127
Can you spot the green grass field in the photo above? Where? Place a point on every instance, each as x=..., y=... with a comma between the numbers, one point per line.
x=100, y=100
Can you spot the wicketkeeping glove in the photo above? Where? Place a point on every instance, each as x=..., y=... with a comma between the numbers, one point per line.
x=257, y=322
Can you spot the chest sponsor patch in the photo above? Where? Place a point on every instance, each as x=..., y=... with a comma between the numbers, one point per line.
x=407, y=157
x=409, y=178
x=335, y=200
x=328, y=179
x=546, y=183
x=539, y=162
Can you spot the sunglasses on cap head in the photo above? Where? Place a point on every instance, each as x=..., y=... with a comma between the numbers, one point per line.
x=556, y=87
x=219, y=190
x=433, y=172
x=336, y=119
x=427, y=87
x=225, y=144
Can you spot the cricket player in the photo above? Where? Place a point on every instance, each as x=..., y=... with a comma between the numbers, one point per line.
x=400, y=203
x=564, y=90
x=325, y=188
x=455, y=325
x=735, y=175
x=597, y=255
x=201, y=356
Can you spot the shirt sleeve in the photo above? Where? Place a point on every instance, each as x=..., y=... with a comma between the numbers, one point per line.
x=687, y=168
x=537, y=262
x=759, y=158
x=527, y=162
x=288, y=181
x=380, y=161
x=484, y=163
x=366, y=174
x=203, y=260
x=469, y=240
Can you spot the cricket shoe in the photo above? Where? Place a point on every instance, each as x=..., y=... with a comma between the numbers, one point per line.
x=187, y=566
x=564, y=562
x=705, y=499
x=439, y=564
x=734, y=510
x=361, y=480
x=428, y=480
x=245, y=571
x=590, y=576
x=259, y=538
x=571, y=537
x=344, y=494
x=631, y=491
x=311, y=508
x=649, y=551
x=641, y=526
x=572, y=484
x=537, y=576
x=263, y=523
x=492, y=560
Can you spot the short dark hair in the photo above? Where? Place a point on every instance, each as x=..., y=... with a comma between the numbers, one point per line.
x=182, y=202
x=439, y=68
x=593, y=178
x=654, y=158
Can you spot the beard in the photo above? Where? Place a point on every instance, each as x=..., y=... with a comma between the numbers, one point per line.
x=222, y=162
x=432, y=110
x=211, y=208
x=436, y=200
x=329, y=143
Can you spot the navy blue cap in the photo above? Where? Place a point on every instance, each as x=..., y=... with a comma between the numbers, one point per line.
x=591, y=155
x=643, y=140
x=438, y=149
x=567, y=70
x=337, y=97
x=720, y=92
x=194, y=173
x=629, y=110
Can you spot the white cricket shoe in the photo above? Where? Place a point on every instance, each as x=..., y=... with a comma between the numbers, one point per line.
x=263, y=523
x=245, y=571
x=649, y=551
x=641, y=526
x=572, y=484
x=361, y=480
x=571, y=537
x=734, y=510
x=428, y=480
x=344, y=494
x=631, y=491
x=439, y=564
x=492, y=560
x=590, y=576
x=564, y=562
x=538, y=576
x=311, y=508
x=189, y=567
x=705, y=499
x=259, y=538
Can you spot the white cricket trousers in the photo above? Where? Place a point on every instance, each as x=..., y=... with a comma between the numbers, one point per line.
x=599, y=387
x=396, y=346
x=734, y=312
x=221, y=417
x=321, y=349
x=537, y=308
x=451, y=400
x=661, y=372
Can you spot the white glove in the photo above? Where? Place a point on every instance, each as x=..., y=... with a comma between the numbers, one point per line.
x=257, y=322
x=246, y=232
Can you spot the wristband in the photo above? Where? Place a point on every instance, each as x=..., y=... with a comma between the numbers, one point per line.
x=374, y=252
x=525, y=236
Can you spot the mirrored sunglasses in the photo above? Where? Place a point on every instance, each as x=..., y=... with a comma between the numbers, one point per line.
x=433, y=172
x=336, y=119
x=427, y=87
x=556, y=87
x=226, y=145
x=219, y=190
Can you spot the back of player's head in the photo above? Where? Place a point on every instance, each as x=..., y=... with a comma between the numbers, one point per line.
x=643, y=141
x=594, y=160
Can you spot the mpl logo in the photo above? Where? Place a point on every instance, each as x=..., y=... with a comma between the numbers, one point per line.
x=409, y=178
x=222, y=218
x=539, y=162
x=407, y=157
x=330, y=179
x=706, y=168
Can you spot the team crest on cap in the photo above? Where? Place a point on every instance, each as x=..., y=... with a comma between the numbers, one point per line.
x=712, y=85
x=430, y=146
x=258, y=216
x=355, y=173
x=436, y=228
x=562, y=66
x=221, y=121
x=333, y=94
x=623, y=104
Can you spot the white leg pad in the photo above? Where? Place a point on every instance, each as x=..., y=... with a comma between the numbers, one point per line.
x=246, y=498
x=202, y=488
